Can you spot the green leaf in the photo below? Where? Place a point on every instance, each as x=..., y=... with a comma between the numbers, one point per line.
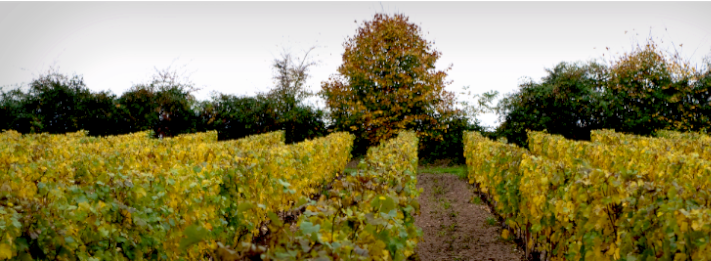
x=193, y=234
x=383, y=204
x=630, y=257
x=244, y=206
x=16, y=223
x=308, y=228
x=25, y=257
x=275, y=219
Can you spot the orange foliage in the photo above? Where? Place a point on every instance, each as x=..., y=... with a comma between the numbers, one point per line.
x=388, y=82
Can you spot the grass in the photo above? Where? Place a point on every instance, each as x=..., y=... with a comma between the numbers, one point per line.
x=476, y=200
x=438, y=190
x=490, y=221
x=459, y=170
x=447, y=205
x=437, y=167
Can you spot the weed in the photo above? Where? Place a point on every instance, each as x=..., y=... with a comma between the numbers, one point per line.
x=438, y=190
x=447, y=205
x=476, y=200
x=441, y=233
x=459, y=170
x=454, y=214
x=490, y=221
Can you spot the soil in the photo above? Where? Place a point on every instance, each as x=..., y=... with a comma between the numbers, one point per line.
x=455, y=225
x=353, y=163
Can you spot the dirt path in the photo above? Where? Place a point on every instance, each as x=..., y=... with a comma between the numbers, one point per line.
x=454, y=227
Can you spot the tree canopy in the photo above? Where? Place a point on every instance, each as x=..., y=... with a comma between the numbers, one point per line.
x=638, y=92
x=388, y=82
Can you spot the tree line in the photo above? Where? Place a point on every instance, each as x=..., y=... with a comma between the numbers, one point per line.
x=639, y=92
x=387, y=82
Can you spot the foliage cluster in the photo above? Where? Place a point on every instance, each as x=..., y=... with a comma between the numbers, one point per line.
x=57, y=104
x=646, y=199
x=494, y=168
x=132, y=197
x=699, y=137
x=619, y=198
x=387, y=83
x=364, y=215
x=190, y=197
x=639, y=92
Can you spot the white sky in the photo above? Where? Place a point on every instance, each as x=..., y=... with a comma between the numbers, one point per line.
x=229, y=46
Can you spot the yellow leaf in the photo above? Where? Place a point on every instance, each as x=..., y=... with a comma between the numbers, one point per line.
x=5, y=251
x=695, y=225
x=680, y=256
x=386, y=254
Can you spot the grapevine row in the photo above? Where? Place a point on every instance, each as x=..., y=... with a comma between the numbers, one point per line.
x=673, y=143
x=132, y=197
x=573, y=200
x=365, y=215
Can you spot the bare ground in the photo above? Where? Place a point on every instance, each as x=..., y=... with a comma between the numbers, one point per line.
x=455, y=226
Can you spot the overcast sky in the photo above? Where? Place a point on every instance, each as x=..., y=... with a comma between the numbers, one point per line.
x=229, y=46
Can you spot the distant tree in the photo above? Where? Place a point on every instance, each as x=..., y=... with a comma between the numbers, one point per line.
x=299, y=120
x=102, y=116
x=638, y=92
x=12, y=110
x=137, y=108
x=165, y=105
x=650, y=89
x=567, y=101
x=56, y=103
x=475, y=104
x=290, y=75
x=235, y=117
x=698, y=100
x=387, y=83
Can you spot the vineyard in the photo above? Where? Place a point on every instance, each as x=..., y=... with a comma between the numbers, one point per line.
x=190, y=197
x=616, y=197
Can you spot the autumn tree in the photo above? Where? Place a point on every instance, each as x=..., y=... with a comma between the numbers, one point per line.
x=652, y=89
x=639, y=92
x=387, y=83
